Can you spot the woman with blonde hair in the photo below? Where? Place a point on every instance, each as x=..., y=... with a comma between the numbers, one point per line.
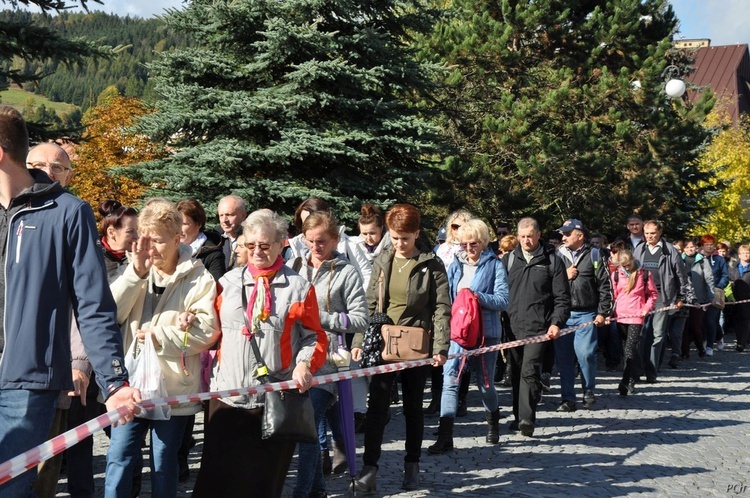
x=446, y=252
x=477, y=269
x=635, y=296
x=159, y=285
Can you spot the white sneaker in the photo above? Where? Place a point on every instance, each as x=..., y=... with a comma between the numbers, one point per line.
x=709, y=352
x=720, y=345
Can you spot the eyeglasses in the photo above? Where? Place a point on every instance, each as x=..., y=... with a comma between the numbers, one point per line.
x=502, y=234
x=252, y=245
x=56, y=168
x=469, y=244
x=455, y=226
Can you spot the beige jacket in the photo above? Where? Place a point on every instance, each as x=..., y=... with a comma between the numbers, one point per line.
x=191, y=288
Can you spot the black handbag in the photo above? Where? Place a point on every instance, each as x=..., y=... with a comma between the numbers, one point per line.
x=287, y=415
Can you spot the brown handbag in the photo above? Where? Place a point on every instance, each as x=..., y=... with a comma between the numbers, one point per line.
x=402, y=343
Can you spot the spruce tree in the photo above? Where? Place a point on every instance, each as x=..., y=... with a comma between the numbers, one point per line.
x=279, y=101
x=558, y=110
x=25, y=43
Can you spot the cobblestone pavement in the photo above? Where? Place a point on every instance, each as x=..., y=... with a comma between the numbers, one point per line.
x=684, y=436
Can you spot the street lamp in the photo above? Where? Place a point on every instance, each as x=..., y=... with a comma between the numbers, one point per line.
x=674, y=86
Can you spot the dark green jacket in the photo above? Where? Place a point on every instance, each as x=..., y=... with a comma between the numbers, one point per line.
x=428, y=302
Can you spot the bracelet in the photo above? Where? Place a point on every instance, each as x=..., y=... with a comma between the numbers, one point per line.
x=116, y=386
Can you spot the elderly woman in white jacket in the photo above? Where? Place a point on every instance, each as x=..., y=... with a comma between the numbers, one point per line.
x=161, y=284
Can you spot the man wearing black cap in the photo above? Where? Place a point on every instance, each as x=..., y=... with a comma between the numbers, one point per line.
x=591, y=302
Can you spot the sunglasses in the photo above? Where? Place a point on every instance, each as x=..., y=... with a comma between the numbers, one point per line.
x=455, y=226
x=251, y=246
x=470, y=244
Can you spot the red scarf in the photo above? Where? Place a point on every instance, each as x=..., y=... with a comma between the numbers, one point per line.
x=260, y=302
x=120, y=255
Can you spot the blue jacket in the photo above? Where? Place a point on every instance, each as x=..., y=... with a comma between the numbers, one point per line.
x=720, y=270
x=53, y=266
x=490, y=283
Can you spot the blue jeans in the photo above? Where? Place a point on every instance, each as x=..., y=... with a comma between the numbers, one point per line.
x=310, y=470
x=656, y=328
x=124, y=452
x=580, y=344
x=611, y=344
x=483, y=365
x=25, y=420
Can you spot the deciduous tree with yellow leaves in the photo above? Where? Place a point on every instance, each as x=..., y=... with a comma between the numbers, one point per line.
x=108, y=143
x=728, y=159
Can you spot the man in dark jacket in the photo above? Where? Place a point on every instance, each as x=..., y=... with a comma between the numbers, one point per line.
x=591, y=302
x=50, y=264
x=664, y=263
x=539, y=305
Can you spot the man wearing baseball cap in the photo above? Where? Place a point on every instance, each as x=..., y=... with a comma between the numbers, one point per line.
x=591, y=303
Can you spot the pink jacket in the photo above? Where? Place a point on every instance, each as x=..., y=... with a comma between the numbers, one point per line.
x=629, y=307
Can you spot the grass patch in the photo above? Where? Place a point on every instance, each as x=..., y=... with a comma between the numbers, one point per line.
x=18, y=98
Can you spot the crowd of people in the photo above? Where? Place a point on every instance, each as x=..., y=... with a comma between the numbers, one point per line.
x=246, y=303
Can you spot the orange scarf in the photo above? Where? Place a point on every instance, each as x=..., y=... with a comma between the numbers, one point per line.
x=259, y=305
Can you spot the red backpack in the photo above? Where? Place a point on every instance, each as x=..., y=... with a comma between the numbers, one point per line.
x=466, y=320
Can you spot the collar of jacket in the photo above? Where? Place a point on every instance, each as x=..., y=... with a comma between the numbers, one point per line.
x=564, y=251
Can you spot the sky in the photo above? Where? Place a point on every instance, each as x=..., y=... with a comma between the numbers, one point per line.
x=725, y=22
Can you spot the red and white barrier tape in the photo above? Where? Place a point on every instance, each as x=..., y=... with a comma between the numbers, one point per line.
x=33, y=457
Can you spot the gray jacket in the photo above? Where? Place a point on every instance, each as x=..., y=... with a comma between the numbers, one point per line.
x=702, y=278
x=341, y=301
x=675, y=284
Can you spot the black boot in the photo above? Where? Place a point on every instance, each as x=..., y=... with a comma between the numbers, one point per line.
x=365, y=481
x=325, y=458
x=339, y=463
x=444, y=441
x=411, y=476
x=434, y=407
x=493, y=426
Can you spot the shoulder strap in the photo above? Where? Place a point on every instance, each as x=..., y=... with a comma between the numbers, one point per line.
x=380, y=290
x=595, y=257
x=262, y=370
x=511, y=260
x=297, y=265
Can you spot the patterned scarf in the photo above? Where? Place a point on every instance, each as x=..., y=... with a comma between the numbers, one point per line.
x=259, y=305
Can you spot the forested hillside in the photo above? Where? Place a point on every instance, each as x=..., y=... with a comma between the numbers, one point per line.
x=81, y=84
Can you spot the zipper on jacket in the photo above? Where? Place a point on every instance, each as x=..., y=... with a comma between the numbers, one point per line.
x=19, y=234
x=5, y=271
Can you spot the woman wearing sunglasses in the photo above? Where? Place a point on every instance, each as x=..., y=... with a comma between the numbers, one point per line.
x=477, y=268
x=272, y=305
x=446, y=252
x=160, y=284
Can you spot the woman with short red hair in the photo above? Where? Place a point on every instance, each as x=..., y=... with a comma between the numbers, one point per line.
x=415, y=294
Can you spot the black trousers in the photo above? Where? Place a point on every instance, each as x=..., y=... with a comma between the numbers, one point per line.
x=236, y=461
x=526, y=363
x=413, y=381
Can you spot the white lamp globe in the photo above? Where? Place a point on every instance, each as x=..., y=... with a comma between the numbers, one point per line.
x=675, y=88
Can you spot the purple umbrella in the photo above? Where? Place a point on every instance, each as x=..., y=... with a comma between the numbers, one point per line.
x=346, y=407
